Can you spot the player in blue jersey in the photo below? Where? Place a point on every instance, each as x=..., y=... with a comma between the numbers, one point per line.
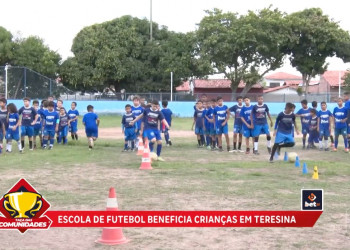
x=304, y=114
x=340, y=114
x=91, y=123
x=247, y=123
x=38, y=125
x=209, y=117
x=29, y=118
x=137, y=110
x=198, y=120
x=151, y=117
x=238, y=125
x=324, y=126
x=284, y=127
x=260, y=126
x=3, y=119
x=73, y=114
x=347, y=105
x=2, y=132
x=167, y=113
x=313, y=125
x=50, y=124
x=12, y=132
x=63, y=127
x=129, y=130
x=221, y=115
x=206, y=106
x=59, y=105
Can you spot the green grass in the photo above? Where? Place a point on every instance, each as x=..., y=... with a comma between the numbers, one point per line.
x=73, y=178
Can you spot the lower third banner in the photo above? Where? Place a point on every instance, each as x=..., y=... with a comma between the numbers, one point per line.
x=183, y=218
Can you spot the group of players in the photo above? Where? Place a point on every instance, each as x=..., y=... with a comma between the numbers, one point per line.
x=251, y=121
x=141, y=120
x=46, y=121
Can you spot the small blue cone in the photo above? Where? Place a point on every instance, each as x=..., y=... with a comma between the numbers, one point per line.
x=285, y=156
x=297, y=163
x=305, y=168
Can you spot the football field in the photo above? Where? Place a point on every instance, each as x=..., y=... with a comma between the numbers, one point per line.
x=73, y=178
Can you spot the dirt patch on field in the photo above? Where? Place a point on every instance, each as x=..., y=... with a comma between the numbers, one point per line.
x=116, y=133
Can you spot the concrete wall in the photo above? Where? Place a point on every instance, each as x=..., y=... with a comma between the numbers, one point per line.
x=180, y=109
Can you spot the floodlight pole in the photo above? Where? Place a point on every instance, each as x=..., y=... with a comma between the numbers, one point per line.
x=6, y=80
x=171, y=86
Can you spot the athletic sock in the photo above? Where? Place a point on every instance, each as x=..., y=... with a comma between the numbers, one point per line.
x=22, y=143
x=30, y=144
x=151, y=146
x=159, y=149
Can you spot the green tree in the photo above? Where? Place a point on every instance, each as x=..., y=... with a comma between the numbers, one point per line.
x=313, y=38
x=6, y=46
x=347, y=80
x=244, y=48
x=119, y=53
x=31, y=52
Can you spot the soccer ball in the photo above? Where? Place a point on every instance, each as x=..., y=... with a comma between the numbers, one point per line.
x=153, y=156
x=292, y=156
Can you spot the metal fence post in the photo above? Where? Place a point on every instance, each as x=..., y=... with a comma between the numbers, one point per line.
x=25, y=81
x=50, y=87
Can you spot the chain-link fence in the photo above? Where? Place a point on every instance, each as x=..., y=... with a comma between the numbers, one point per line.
x=23, y=82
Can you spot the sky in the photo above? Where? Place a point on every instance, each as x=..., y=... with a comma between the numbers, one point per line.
x=57, y=22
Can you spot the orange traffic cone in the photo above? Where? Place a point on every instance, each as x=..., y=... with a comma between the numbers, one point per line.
x=141, y=147
x=112, y=235
x=146, y=159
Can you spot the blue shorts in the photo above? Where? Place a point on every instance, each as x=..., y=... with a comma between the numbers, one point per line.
x=324, y=132
x=12, y=135
x=199, y=131
x=260, y=129
x=283, y=138
x=207, y=130
x=221, y=129
x=49, y=133
x=73, y=128
x=129, y=134
x=238, y=129
x=247, y=132
x=340, y=131
x=212, y=131
x=152, y=133
x=91, y=132
x=304, y=129
x=27, y=130
x=37, y=131
x=63, y=132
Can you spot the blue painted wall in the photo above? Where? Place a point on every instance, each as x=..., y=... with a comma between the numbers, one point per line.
x=180, y=109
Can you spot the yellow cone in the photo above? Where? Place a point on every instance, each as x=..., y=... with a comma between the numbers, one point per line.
x=315, y=174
